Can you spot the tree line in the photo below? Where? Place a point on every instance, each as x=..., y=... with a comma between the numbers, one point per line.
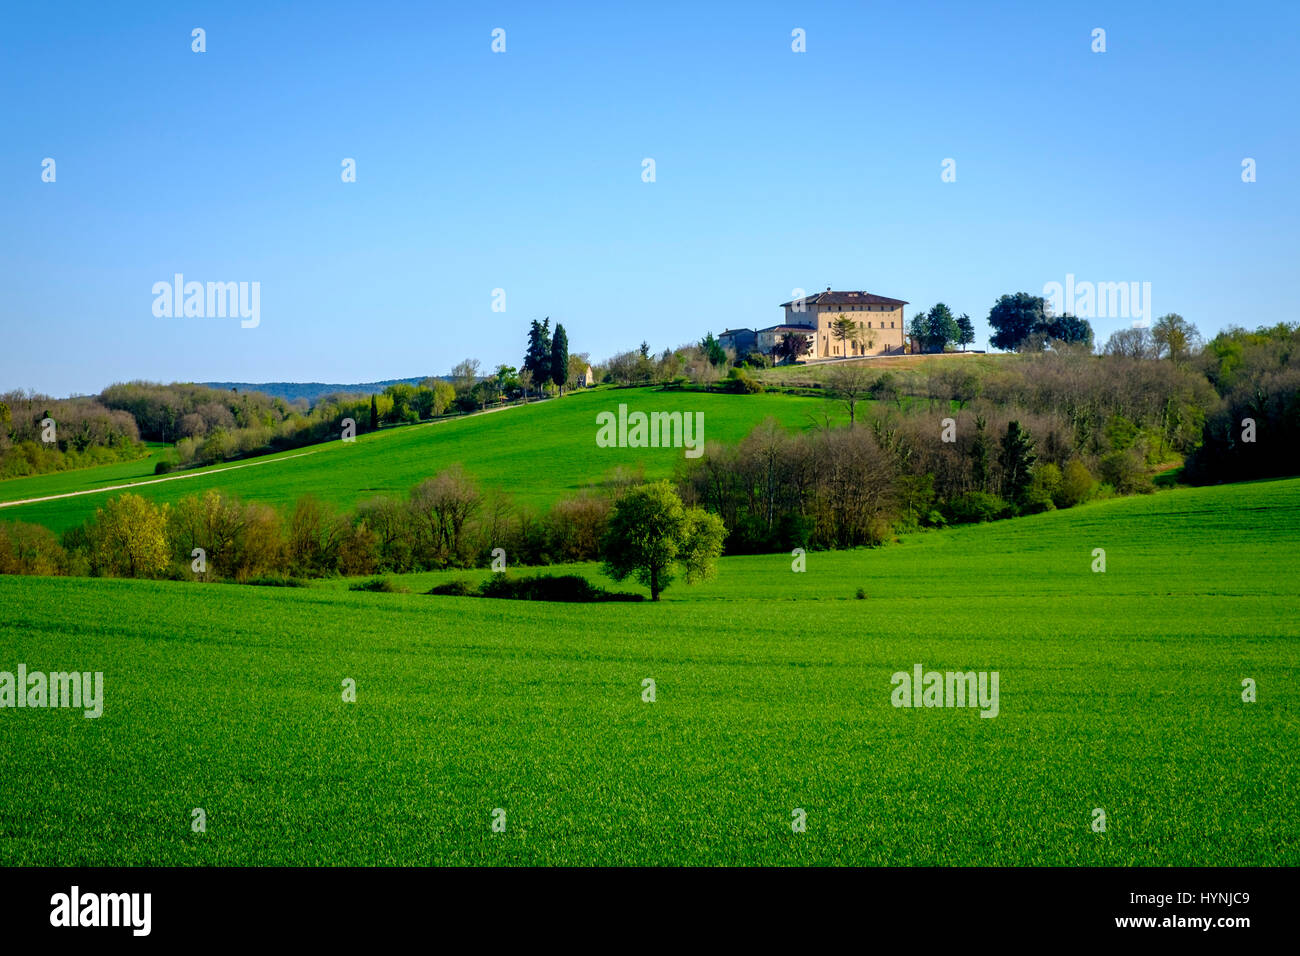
x=84, y=431
x=638, y=529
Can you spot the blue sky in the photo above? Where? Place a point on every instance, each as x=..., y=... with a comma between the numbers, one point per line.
x=775, y=170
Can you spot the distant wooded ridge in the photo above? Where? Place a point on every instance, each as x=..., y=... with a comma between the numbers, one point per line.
x=313, y=391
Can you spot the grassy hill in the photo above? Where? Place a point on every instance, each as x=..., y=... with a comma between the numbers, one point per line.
x=537, y=453
x=1119, y=691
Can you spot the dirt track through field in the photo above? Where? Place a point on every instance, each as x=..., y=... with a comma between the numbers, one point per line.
x=212, y=471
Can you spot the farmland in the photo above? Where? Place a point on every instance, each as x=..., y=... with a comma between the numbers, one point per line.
x=559, y=437
x=1119, y=690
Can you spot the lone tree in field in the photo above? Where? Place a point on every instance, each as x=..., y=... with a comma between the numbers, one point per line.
x=651, y=532
x=850, y=384
x=560, y=357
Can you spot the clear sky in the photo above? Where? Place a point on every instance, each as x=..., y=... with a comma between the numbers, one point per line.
x=522, y=170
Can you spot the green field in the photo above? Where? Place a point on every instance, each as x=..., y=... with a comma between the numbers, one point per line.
x=80, y=479
x=1119, y=691
x=536, y=453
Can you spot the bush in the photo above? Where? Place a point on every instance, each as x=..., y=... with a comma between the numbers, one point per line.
x=457, y=588
x=30, y=549
x=1044, y=488
x=276, y=581
x=379, y=585
x=975, y=506
x=163, y=467
x=742, y=383
x=1125, y=471
x=568, y=588
x=1076, y=485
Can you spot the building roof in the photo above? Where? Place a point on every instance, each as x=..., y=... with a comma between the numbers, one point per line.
x=789, y=328
x=846, y=298
x=734, y=331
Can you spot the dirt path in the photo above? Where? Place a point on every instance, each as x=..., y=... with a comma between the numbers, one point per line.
x=151, y=481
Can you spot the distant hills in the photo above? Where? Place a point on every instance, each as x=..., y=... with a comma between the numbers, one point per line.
x=313, y=391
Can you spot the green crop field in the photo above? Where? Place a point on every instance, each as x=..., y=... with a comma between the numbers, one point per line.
x=559, y=437
x=1119, y=691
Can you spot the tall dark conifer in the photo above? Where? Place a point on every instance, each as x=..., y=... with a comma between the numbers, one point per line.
x=560, y=357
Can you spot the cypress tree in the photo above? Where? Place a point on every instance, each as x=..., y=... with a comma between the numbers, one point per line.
x=560, y=357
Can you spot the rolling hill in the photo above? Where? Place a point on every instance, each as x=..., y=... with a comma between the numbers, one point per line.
x=1120, y=691
x=536, y=453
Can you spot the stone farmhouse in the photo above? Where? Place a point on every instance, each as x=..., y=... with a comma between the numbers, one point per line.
x=878, y=319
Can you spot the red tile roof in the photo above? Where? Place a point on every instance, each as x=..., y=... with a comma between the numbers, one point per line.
x=846, y=298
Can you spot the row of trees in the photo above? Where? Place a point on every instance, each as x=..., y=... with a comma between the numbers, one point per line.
x=936, y=446
x=547, y=357
x=1254, y=430
x=1022, y=322
x=845, y=487
x=39, y=434
x=935, y=330
x=640, y=530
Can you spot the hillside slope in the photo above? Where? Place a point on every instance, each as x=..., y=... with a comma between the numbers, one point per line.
x=536, y=453
x=1119, y=691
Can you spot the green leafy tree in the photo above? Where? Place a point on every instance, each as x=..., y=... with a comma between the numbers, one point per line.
x=965, y=331
x=713, y=350
x=129, y=537
x=507, y=380
x=1069, y=328
x=560, y=357
x=650, y=533
x=1014, y=318
x=919, y=331
x=941, y=328
x=403, y=397
x=374, y=413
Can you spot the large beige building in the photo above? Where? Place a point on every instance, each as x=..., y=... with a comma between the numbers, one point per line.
x=879, y=321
